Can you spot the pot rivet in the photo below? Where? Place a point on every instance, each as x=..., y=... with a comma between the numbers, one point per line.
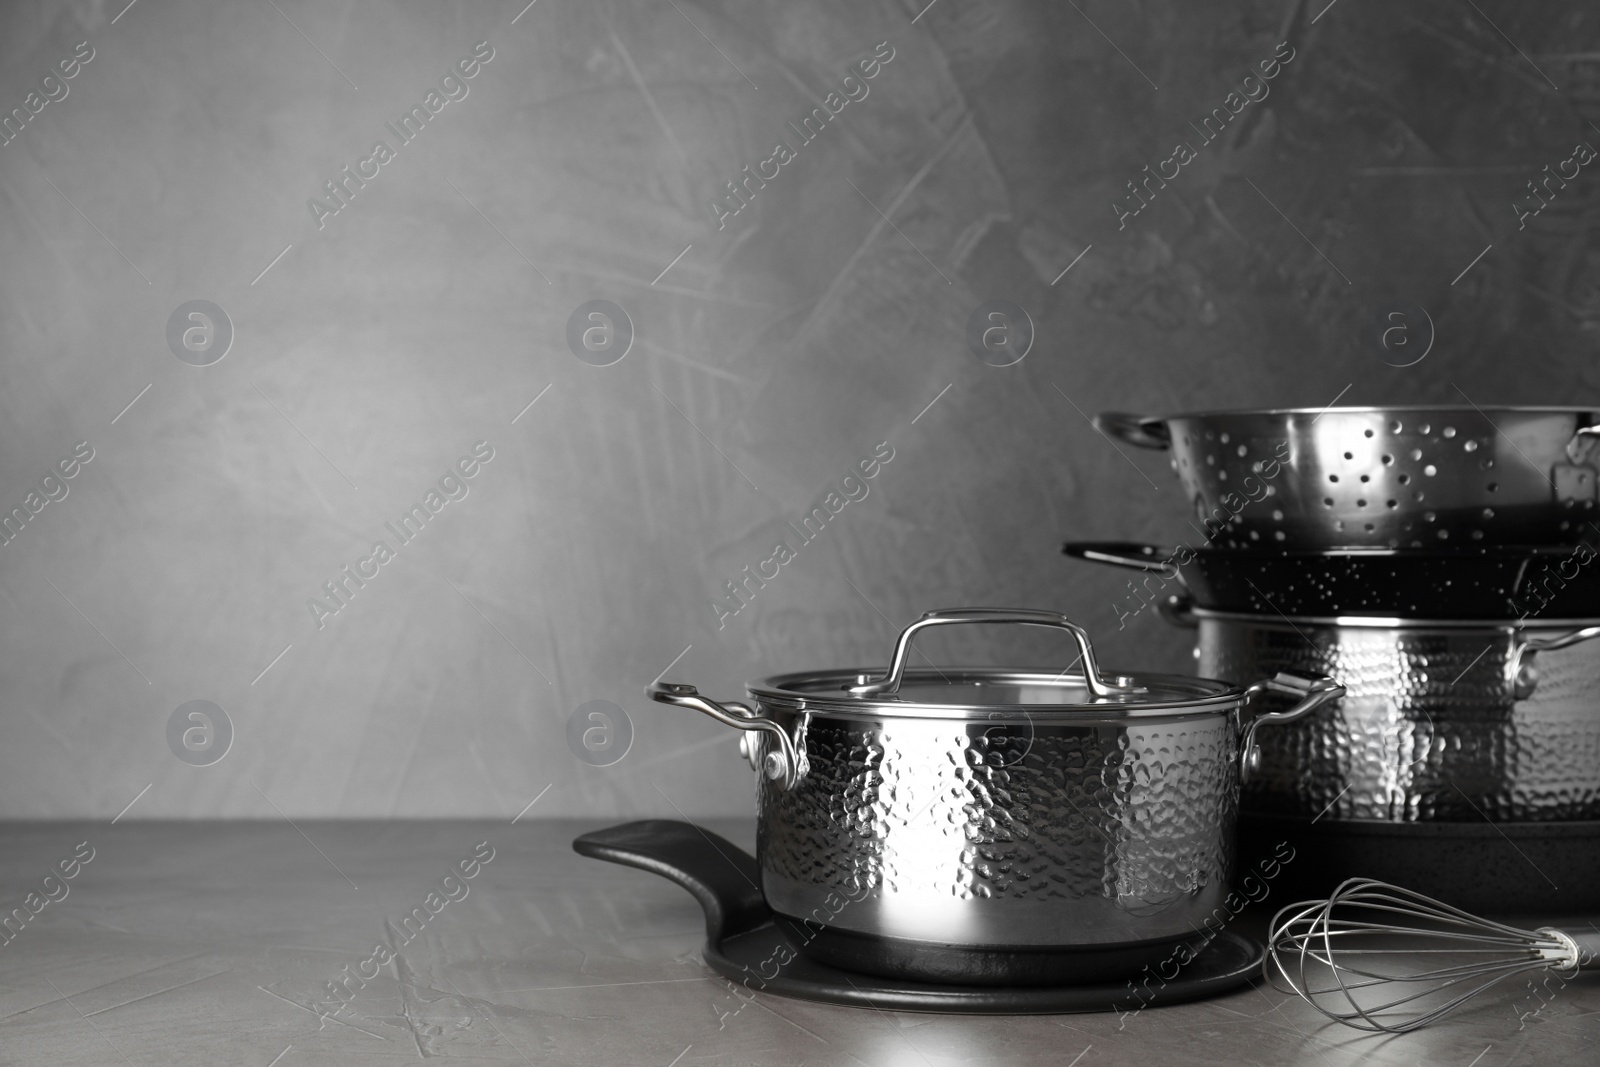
x=773, y=765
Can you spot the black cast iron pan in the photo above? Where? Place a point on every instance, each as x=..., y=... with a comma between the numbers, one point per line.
x=1493, y=582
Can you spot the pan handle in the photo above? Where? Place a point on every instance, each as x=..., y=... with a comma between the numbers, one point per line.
x=1314, y=690
x=1129, y=554
x=1580, y=450
x=781, y=763
x=1522, y=668
x=1178, y=610
x=890, y=682
x=1145, y=431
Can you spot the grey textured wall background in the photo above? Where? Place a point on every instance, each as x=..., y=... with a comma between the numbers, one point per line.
x=774, y=354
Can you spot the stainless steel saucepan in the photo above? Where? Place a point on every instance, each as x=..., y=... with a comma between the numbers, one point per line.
x=1443, y=720
x=989, y=825
x=1385, y=477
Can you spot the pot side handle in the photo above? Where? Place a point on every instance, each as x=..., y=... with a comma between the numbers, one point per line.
x=1522, y=670
x=1583, y=438
x=1314, y=690
x=1142, y=431
x=781, y=764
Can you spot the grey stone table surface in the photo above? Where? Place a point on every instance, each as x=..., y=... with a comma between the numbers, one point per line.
x=215, y=943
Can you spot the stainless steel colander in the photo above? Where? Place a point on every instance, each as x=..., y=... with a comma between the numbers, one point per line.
x=1384, y=477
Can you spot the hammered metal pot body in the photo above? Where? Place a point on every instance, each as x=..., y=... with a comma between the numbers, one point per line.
x=1022, y=836
x=999, y=825
x=1429, y=729
x=1387, y=477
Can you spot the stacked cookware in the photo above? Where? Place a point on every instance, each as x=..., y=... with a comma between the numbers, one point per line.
x=1439, y=564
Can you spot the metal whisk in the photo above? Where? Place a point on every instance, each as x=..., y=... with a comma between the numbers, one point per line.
x=1381, y=958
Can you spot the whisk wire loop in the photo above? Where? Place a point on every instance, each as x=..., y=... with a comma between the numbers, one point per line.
x=1334, y=954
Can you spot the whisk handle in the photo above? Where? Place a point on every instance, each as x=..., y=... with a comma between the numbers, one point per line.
x=1588, y=942
x=1585, y=943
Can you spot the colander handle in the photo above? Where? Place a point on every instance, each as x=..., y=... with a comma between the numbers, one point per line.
x=1130, y=554
x=890, y=682
x=781, y=763
x=1314, y=690
x=1143, y=431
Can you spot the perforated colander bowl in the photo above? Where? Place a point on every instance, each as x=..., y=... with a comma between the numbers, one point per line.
x=1381, y=477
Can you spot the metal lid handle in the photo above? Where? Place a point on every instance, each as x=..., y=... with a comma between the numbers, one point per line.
x=890, y=682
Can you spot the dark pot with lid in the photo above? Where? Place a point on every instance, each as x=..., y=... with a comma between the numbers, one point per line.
x=998, y=825
x=1504, y=581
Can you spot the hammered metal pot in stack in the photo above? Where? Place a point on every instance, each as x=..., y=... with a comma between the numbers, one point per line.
x=1439, y=723
x=1434, y=562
